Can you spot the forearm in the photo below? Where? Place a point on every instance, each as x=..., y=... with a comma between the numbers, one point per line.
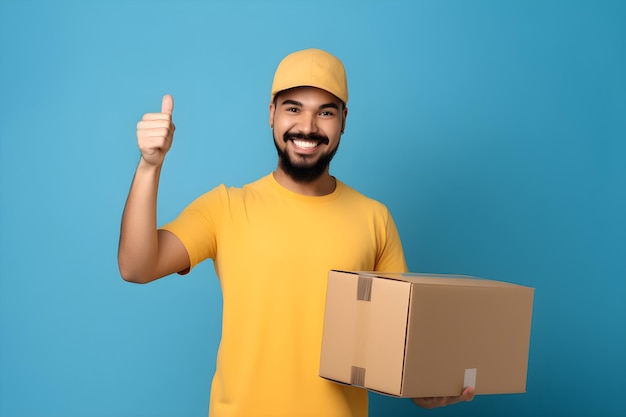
x=138, y=247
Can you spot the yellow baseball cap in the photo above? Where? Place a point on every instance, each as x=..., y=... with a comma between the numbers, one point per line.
x=311, y=68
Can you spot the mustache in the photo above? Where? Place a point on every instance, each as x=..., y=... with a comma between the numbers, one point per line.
x=312, y=137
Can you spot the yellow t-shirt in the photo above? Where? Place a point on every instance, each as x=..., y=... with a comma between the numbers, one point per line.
x=272, y=250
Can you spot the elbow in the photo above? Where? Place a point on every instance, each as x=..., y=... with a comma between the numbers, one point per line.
x=132, y=275
x=133, y=278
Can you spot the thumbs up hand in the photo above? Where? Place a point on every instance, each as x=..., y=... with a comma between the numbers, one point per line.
x=155, y=133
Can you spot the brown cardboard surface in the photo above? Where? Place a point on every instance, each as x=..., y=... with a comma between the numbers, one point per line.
x=418, y=335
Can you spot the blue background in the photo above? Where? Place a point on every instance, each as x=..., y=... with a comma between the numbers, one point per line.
x=494, y=131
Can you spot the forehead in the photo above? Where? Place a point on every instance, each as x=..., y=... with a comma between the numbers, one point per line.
x=308, y=96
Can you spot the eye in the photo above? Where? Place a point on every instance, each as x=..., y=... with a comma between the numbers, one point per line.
x=292, y=110
x=327, y=113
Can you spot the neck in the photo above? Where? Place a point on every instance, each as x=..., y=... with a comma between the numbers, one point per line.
x=323, y=185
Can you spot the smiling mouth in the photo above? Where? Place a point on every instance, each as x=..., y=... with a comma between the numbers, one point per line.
x=303, y=141
x=305, y=144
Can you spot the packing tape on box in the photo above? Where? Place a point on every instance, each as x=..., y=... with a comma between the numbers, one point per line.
x=364, y=288
x=357, y=376
x=470, y=378
x=363, y=296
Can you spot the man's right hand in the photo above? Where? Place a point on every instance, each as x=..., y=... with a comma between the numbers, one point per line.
x=155, y=133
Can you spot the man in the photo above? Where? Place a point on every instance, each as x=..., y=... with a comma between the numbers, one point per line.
x=272, y=242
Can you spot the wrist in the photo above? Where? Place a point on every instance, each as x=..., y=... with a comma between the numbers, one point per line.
x=148, y=166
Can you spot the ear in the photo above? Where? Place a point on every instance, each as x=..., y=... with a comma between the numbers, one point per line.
x=343, y=121
x=272, y=110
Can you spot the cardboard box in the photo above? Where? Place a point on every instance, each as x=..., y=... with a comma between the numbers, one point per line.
x=425, y=335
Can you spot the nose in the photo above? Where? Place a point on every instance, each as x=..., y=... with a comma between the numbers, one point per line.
x=308, y=123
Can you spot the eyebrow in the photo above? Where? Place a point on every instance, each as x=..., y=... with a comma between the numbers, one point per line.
x=299, y=104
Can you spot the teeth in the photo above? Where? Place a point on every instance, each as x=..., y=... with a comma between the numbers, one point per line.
x=304, y=144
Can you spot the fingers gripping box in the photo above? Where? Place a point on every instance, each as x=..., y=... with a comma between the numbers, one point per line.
x=426, y=335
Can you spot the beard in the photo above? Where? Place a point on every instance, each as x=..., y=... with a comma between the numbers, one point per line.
x=304, y=171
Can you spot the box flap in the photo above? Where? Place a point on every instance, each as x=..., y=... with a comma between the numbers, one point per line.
x=437, y=279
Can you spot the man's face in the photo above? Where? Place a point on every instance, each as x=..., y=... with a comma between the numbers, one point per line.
x=307, y=123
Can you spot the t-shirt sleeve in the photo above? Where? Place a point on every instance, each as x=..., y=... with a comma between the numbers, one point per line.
x=197, y=225
x=391, y=254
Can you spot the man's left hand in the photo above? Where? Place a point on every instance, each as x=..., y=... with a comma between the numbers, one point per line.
x=434, y=402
